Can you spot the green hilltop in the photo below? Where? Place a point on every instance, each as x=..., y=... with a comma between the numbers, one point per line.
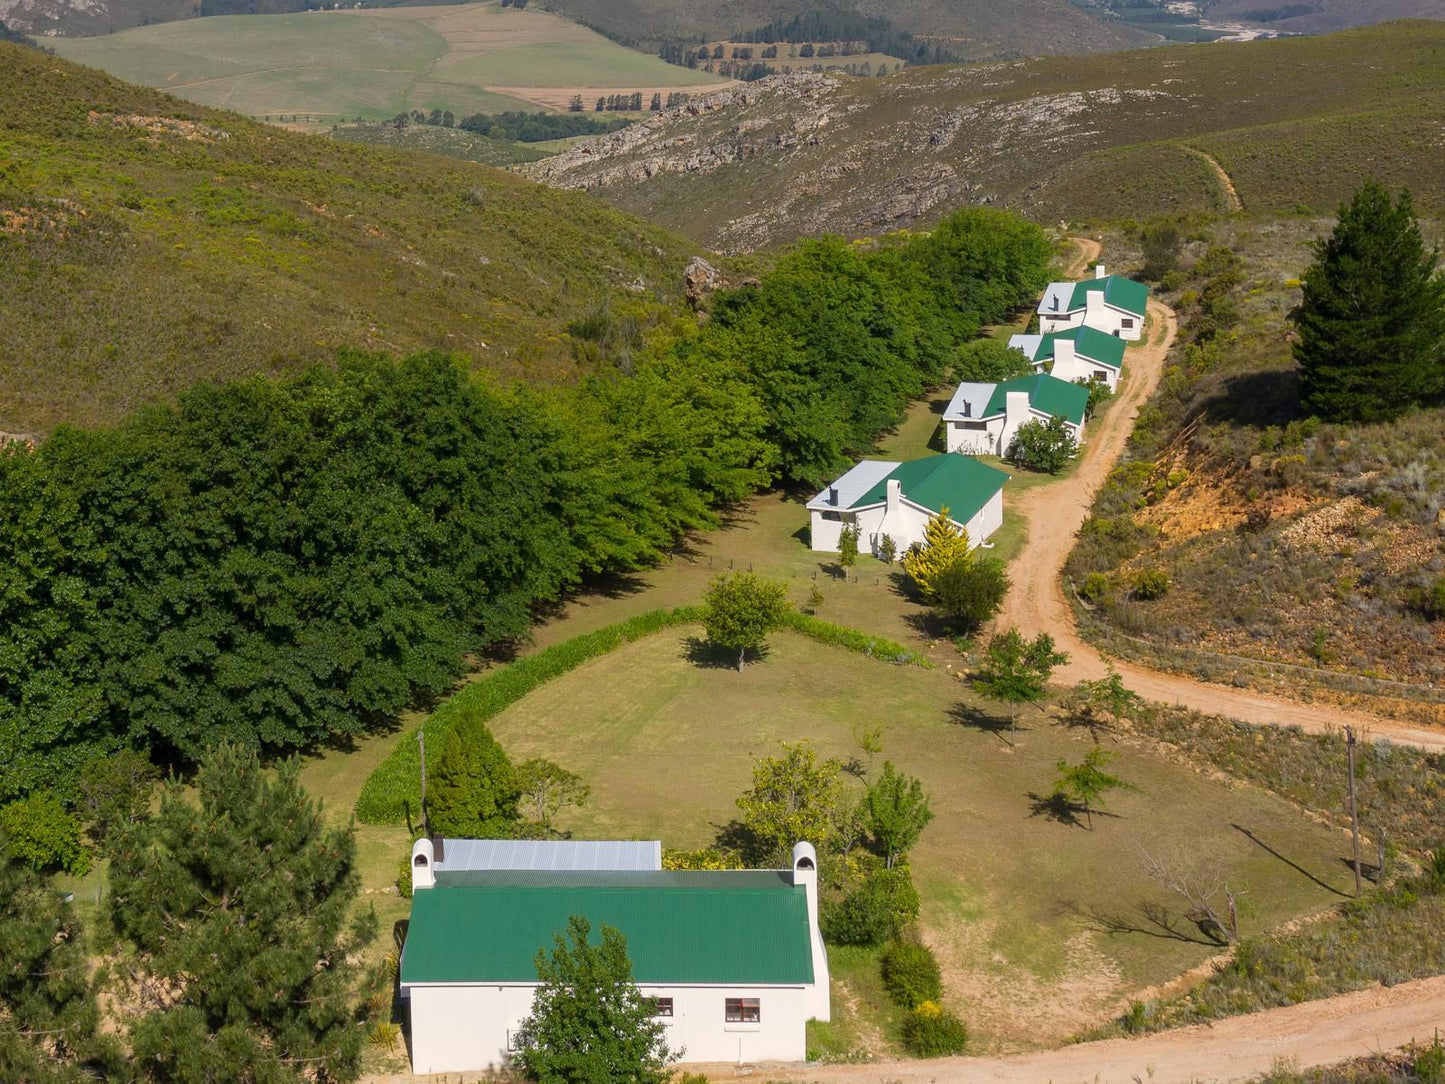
x=147, y=244
x=1293, y=124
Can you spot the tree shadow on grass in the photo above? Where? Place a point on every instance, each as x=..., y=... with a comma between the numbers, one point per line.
x=1289, y=862
x=1064, y=810
x=932, y=625
x=1152, y=920
x=1084, y=719
x=1000, y=726
x=1263, y=398
x=737, y=838
x=709, y=656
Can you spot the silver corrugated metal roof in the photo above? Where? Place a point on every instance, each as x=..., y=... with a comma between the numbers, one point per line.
x=975, y=397
x=549, y=854
x=1058, y=299
x=853, y=485
x=1029, y=344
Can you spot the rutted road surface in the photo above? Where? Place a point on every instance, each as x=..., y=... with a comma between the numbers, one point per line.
x=1036, y=603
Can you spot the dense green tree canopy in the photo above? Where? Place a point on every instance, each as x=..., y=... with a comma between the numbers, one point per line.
x=1372, y=321
x=740, y=609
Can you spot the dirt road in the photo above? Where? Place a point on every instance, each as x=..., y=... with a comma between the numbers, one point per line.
x=1239, y=1048
x=1036, y=603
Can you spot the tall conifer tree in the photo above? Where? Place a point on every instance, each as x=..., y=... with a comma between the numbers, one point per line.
x=1372, y=322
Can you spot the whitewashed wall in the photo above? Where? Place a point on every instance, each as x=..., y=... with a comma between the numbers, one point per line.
x=986, y=520
x=959, y=438
x=457, y=1028
x=1109, y=320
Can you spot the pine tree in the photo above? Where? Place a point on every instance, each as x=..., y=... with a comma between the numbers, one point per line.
x=475, y=788
x=1372, y=321
x=48, y=1014
x=239, y=902
x=944, y=544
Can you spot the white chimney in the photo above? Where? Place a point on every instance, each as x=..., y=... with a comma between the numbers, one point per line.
x=1064, y=363
x=1016, y=408
x=1099, y=272
x=805, y=875
x=423, y=862
x=895, y=494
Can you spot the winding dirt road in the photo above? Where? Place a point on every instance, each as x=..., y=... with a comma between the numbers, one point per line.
x=1036, y=603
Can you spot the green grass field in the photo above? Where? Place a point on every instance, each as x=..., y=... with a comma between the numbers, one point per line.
x=1016, y=904
x=374, y=63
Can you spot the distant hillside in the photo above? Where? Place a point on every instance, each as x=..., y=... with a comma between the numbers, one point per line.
x=147, y=244
x=1320, y=16
x=974, y=28
x=1289, y=123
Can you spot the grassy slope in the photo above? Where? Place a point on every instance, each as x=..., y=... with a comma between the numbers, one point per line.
x=371, y=63
x=436, y=140
x=978, y=27
x=181, y=259
x=1295, y=121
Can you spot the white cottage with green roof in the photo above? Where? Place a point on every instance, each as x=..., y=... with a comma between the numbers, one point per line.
x=1108, y=303
x=882, y=497
x=733, y=959
x=1079, y=353
x=981, y=419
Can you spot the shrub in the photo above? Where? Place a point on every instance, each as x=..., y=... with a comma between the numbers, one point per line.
x=874, y=912
x=910, y=974
x=43, y=834
x=1150, y=584
x=1042, y=445
x=702, y=858
x=1096, y=587
x=1430, y=601
x=403, y=877
x=971, y=591
x=931, y=1031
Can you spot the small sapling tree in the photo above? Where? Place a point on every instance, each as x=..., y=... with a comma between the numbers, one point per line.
x=589, y=1022
x=740, y=609
x=546, y=788
x=848, y=548
x=895, y=811
x=1085, y=784
x=1017, y=671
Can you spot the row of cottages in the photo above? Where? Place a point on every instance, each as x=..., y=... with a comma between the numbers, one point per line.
x=1108, y=303
x=982, y=419
x=1080, y=353
x=881, y=497
x=732, y=960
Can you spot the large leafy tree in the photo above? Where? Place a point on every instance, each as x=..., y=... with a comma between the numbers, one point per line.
x=475, y=789
x=896, y=811
x=1372, y=320
x=240, y=902
x=49, y=1022
x=589, y=1022
x=793, y=797
x=740, y=609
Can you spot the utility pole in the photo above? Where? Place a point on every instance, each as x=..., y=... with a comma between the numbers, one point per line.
x=426, y=821
x=1354, y=813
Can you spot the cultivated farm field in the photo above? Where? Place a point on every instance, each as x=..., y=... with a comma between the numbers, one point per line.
x=375, y=63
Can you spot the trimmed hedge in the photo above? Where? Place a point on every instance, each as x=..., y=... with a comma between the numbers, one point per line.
x=394, y=789
x=825, y=632
x=911, y=974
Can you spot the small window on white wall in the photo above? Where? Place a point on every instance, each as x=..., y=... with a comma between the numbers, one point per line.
x=1127, y=321
x=661, y=1006
x=742, y=1010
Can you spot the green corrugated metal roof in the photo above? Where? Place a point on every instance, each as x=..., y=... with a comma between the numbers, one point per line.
x=958, y=482
x=1120, y=292
x=1088, y=343
x=1055, y=397
x=709, y=927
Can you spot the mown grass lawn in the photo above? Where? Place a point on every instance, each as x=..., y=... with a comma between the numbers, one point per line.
x=1042, y=926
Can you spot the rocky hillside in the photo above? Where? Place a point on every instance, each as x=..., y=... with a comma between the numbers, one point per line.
x=1288, y=123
